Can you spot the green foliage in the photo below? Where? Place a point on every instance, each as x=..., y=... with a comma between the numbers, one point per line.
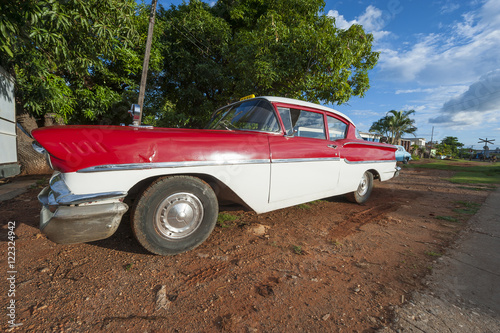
x=74, y=58
x=394, y=124
x=449, y=146
x=283, y=48
x=83, y=59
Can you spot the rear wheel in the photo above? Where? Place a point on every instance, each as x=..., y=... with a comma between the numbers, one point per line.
x=364, y=189
x=174, y=214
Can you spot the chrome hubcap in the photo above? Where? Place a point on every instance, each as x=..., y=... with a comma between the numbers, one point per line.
x=178, y=216
x=363, y=185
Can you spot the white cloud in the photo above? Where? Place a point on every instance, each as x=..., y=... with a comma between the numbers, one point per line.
x=340, y=21
x=449, y=7
x=480, y=103
x=465, y=51
x=373, y=21
x=413, y=91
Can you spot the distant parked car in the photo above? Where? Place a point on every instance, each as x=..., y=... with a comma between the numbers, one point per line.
x=402, y=155
x=266, y=153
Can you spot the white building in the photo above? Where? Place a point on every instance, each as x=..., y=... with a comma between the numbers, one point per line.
x=8, y=144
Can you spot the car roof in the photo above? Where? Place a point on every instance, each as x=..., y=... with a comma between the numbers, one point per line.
x=298, y=102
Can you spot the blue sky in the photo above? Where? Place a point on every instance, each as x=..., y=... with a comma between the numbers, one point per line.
x=440, y=58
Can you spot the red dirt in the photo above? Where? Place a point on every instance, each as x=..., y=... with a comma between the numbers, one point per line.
x=328, y=266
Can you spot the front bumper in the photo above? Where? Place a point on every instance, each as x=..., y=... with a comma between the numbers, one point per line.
x=67, y=218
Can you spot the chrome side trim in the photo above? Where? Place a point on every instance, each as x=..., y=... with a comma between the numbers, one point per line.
x=361, y=162
x=58, y=193
x=145, y=166
x=366, y=144
x=300, y=160
x=38, y=148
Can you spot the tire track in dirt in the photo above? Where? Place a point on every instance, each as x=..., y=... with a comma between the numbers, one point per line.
x=356, y=220
x=209, y=273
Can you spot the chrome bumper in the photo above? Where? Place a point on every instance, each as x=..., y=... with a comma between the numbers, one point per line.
x=78, y=218
x=396, y=173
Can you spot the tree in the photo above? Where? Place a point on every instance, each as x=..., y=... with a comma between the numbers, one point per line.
x=236, y=48
x=77, y=60
x=394, y=124
x=72, y=58
x=452, y=145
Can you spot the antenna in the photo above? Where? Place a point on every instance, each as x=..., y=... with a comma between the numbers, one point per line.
x=486, y=148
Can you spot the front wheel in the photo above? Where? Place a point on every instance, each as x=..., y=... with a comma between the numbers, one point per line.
x=174, y=215
x=364, y=189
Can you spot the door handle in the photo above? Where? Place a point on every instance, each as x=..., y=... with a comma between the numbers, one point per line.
x=332, y=146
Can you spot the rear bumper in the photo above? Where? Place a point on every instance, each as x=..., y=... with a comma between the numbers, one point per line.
x=67, y=218
x=396, y=173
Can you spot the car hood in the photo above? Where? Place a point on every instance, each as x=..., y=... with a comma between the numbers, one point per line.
x=74, y=148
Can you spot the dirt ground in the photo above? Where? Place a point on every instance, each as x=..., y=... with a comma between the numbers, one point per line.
x=326, y=266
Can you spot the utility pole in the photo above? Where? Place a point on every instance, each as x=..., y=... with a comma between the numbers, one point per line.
x=142, y=88
x=432, y=138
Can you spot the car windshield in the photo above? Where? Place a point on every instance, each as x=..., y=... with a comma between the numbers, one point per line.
x=252, y=115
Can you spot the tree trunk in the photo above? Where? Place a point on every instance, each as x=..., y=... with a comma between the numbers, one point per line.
x=31, y=162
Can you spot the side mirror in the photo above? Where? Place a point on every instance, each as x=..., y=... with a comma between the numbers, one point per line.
x=135, y=113
x=291, y=133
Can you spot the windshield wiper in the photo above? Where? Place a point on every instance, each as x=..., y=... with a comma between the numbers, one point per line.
x=226, y=125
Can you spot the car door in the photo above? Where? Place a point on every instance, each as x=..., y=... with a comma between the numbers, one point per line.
x=304, y=163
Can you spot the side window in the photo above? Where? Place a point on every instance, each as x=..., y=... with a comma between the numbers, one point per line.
x=336, y=128
x=303, y=123
x=286, y=117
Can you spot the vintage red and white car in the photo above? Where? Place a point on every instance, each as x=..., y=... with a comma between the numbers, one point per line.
x=265, y=153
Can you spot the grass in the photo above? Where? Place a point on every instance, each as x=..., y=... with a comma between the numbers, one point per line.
x=468, y=172
x=447, y=218
x=336, y=243
x=40, y=183
x=307, y=206
x=475, y=178
x=468, y=208
x=433, y=254
x=226, y=217
x=464, y=209
x=488, y=188
x=297, y=249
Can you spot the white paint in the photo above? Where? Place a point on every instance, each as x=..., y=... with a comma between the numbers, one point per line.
x=289, y=183
x=301, y=179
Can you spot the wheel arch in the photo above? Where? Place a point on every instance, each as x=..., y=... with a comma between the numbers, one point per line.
x=223, y=192
x=375, y=173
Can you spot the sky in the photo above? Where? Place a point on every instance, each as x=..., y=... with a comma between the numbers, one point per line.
x=440, y=58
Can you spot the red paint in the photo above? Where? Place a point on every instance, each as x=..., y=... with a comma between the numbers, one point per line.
x=355, y=150
x=77, y=147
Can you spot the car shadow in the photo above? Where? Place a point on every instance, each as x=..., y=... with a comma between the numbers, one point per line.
x=123, y=240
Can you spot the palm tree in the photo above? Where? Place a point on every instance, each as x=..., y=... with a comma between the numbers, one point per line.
x=394, y=124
